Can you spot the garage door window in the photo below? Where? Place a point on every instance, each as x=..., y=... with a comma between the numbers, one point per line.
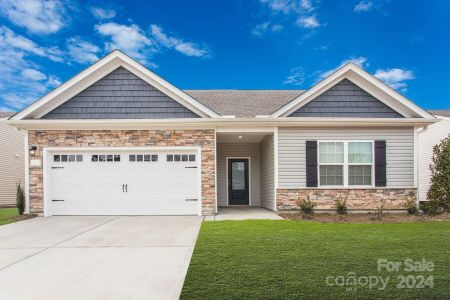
x=180, y=157
x=143, y=158
x=105, y=158
x=67, y=158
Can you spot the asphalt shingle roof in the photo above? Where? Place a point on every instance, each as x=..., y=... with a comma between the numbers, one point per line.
x=6, y=114
x=244, y=103
x=442, y=112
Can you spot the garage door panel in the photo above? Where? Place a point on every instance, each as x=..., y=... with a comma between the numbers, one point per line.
x=124, y=187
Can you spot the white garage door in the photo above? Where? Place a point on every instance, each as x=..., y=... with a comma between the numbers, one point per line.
x=123, y=183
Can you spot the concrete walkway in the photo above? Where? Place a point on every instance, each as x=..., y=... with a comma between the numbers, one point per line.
x=96, y=257
x=243, y=213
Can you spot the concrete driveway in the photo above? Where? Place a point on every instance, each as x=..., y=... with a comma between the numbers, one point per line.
x=96, y=257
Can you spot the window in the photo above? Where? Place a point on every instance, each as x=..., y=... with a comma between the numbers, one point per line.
x=331, y=161
x=67, y=158
x=180, y=157
x=345, y=163
x=105, y=158
x=143, y=158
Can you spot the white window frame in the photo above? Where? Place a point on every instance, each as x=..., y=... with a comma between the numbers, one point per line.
x=346, y=164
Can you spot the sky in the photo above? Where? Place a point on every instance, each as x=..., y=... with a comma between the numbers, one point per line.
x=233, y=44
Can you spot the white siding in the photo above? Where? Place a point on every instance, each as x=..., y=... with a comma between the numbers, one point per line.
x=399, y=152
x=427, y=139
x=267, y=173
x=238, y=150
x=11, y=163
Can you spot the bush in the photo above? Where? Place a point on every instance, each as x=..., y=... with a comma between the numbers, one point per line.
x=341, y=207
x=379, y=212
x=430, y=208
x=20, y=200
x=411, y=207
x=439, y=192
x=306, y=207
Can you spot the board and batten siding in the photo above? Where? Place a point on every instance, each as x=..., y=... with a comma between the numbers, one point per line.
x=241, y=151
x=12, y=170
x=427, y=139
x=292, y=152
x=267, y=173
x=120, y=95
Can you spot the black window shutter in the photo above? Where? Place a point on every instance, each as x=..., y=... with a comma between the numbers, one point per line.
x=380, y=163
x=311, y=164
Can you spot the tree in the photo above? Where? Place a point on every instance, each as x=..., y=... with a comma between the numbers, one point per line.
x=439, y=192
x=20, y=200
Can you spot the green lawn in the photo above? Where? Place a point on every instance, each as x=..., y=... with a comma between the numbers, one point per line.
x=291, y=260
x=6, y=214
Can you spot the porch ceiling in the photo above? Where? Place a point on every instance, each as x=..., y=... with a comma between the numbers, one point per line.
x=240, y=137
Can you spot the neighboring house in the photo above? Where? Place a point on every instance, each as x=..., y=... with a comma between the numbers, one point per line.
x=428, y=138
x=12, y=163
x=118, y=139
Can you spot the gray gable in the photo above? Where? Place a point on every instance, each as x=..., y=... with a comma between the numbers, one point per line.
x=120, y=95
x=346, y=99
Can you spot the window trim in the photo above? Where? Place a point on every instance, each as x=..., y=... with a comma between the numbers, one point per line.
x=346, y=165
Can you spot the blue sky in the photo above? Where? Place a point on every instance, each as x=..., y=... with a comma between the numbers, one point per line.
x=253, y=44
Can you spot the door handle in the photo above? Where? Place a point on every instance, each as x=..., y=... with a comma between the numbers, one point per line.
x=126, y=188
x=123, y=188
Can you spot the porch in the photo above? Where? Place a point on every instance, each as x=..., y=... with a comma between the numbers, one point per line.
x=245, y=172
x=243, y=213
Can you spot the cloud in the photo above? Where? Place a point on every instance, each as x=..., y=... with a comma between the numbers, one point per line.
x=186, y=48
x=37, y=16
x=301, y=9
x=289, y=6
x=266, y=27
x=33, y=74
x=22, y=80
x=82, y=51
x=395, y=77
x=297, y=77
x=12, y=40
x=360, y=61
x=308, y=22
x=129, y=38
x=363, y=6
x=103, y=13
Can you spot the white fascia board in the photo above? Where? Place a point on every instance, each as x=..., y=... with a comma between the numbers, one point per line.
x=100, y=69
x=219, y=123
x=355, y=73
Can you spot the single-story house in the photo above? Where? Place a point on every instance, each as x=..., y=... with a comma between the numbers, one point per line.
x=117, y=139
x=430, y=136
x=12, y=171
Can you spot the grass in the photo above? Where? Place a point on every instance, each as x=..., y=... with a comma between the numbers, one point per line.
x=292, y=259
x=7, y=215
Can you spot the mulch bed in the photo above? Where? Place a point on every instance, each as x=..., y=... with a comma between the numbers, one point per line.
x=21, y=218
x=368, y=218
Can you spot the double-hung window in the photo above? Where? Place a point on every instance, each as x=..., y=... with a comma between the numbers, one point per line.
x=345, y=163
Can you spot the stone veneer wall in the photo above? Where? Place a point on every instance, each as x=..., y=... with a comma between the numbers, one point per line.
x=357, y=199
x=125, y=138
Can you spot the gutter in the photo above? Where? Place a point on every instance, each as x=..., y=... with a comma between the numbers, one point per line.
x=205, y=123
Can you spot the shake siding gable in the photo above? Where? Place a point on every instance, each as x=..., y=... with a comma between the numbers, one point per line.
x=120, y=95
x=346, y=99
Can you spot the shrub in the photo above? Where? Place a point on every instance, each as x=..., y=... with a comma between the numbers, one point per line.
x=439, y=192
x=411, y=207
x=20, y=200
x=379, y=212
x=306, y=207
x=430, y=208
x=341, y=207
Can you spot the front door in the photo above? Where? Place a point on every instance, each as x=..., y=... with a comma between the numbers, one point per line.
x=238, y=189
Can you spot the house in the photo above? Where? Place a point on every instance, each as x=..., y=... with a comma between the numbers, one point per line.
x=12, y=170
x=428, y=137
x=117, y=139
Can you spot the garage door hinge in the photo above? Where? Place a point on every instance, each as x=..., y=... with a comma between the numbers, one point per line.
x=57, y=167
x=191, y=167
x=57, y=200
x=190, y=199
